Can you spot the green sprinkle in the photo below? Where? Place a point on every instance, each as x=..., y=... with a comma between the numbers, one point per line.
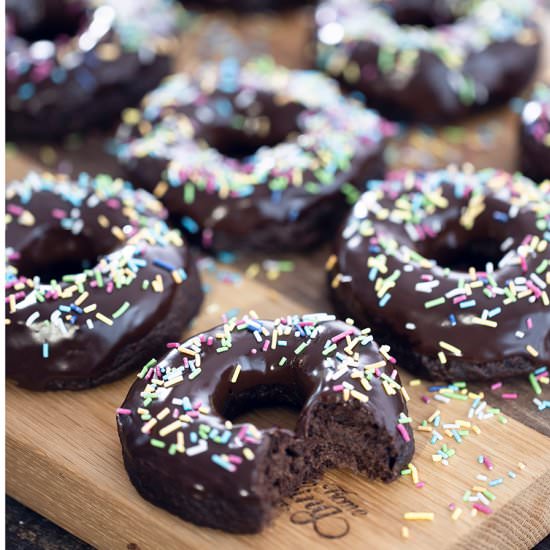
x=121, y=310
x=158, y=443
x=433, y=303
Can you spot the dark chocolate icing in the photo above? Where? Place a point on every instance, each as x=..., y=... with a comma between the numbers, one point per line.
x=391, y=267
x=431, y=75
x=75, y=64
x=305, y=358
x=313, y=145
x=247, y=5
x=54, y=225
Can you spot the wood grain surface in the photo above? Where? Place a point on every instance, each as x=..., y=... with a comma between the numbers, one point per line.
x=63, y=455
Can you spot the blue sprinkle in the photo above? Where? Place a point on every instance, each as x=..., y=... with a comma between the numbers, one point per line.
x=45, y=350
x=164, y=265
x=190, y=224
x=26, y=91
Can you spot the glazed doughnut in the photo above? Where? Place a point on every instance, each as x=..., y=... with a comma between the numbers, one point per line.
x=183, y=452
x=95, y=280
x=452, y=269
x=253, y=157
x=74, y=64
x=431, y=61
x=535, y=134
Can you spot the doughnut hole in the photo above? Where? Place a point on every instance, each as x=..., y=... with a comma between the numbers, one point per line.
x=264, y=406
x=237, y=125
x=422, y=13
x=57, y=253
x=49, y=21
x=460, y=249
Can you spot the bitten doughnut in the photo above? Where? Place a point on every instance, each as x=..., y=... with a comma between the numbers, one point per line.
x=252, y=157
x=183, y=452
x=95, y=280
x=433, y=61
x=452, y=269
x=74, y=64
x=535, y=134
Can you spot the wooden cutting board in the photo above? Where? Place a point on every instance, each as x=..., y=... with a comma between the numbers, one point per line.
x=62, y=452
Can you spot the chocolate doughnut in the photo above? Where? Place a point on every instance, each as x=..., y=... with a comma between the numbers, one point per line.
x=75, y=64
x=535, y=134
x=95, y=280
x=183, y=452
x=452, y=269
x=252, y=157
x=431, y=61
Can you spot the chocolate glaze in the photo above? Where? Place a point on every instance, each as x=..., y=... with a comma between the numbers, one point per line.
x=429, y=94
x=78, y=356
x=172, y=131
x=306, y=380
x=404, y=320
x=58, y=84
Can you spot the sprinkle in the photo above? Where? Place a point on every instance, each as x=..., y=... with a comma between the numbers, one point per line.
x=235, y=374
x=419, y=516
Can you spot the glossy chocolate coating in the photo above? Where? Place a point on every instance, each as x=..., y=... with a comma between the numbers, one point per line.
x=199, y=136
x=519, y=341
x=308, y=379
x=430, y=90
x=79, y=356
x=75, y=64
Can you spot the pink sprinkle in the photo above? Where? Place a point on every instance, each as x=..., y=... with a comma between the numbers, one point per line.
x=113, y=203
x=459, y=299
x=242, y=432
x=341, y=336
x=425, y=399
x=210, y=340
x=420, y=484
x=452, y=506
x=235, y=459
x=509, y=396
x=15, y=209
x=175, y=413
x=488, y=463
x=172, y=345
x=496, y=386
x=123, y=411
x=338, y=387
x=149, y=374
x=529, y=323
x=59, y=214
x=403, y=432
x=265, y=346
x=482, y=508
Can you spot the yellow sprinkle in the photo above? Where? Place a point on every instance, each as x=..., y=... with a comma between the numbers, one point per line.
x=404, y=532
x=248, y=453
x=131, y=116
x=451, y=348
x=82, y=298
x=164, y=413
x=179, y=442
x=173, y=381
x=235, y=374
x=434, y=415
x=104, y=319
x=108, y=51
x=172, y=427
x=521, y=466
x=148, y=426
x=442, y=357
x=419, y=516
x=456, y=514
x=359, y=396
x=90, y=308
x=331, y=262
x=118, y=233
x=531, y=350
x=484, y=322
x=415, y=382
